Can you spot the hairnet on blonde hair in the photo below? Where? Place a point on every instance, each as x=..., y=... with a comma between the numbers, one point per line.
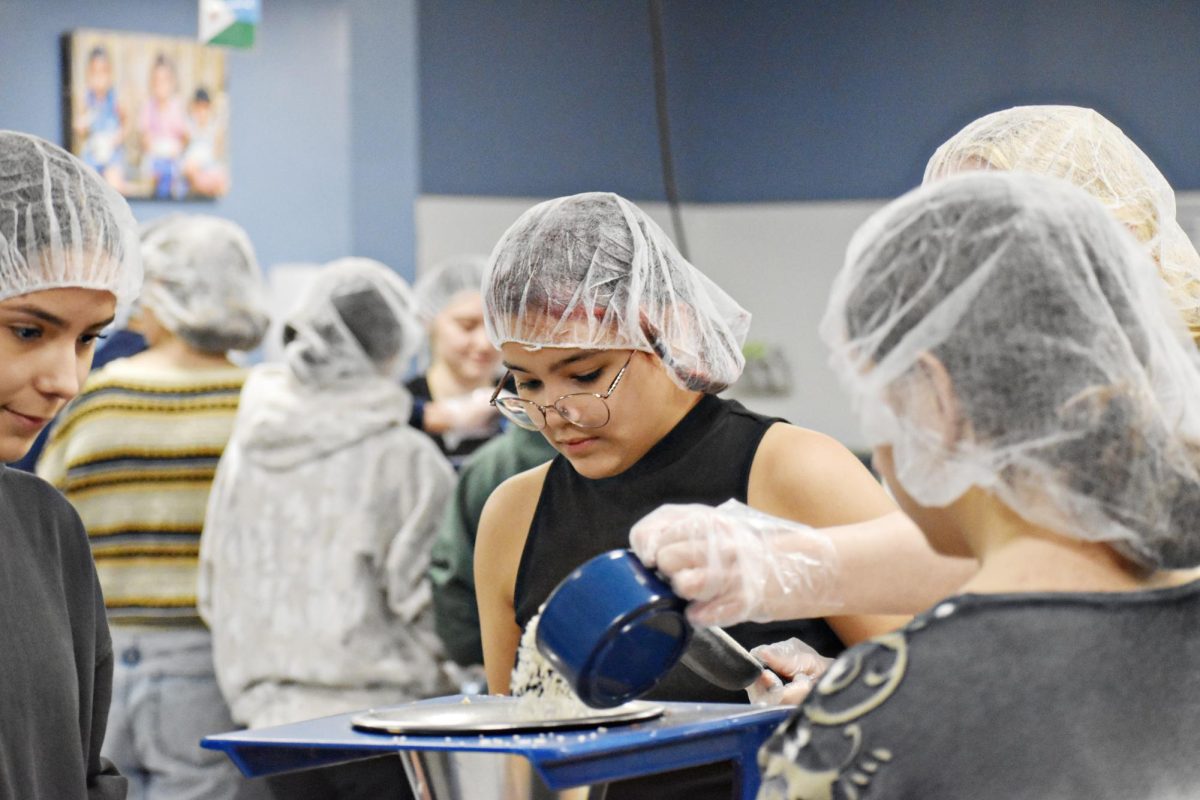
x=1081, y=146
x=445, y=281
x=61, y=225
x=203, y=282
x=593, y=271
x=1074, y=390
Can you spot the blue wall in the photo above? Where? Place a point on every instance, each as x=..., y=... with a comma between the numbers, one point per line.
x=770, y=100
x=384, y=133
x=297, y=129
x=781, y=100
x=537, y=98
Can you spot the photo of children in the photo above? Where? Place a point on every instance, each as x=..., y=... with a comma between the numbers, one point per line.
x=149, y=113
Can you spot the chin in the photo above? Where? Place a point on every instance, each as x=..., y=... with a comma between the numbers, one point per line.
x=596, y=466
x=475, y=374
x=13, y=450
x=942, y=540
x=589, y=469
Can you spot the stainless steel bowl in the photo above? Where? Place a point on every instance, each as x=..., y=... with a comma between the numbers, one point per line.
x=454, y=774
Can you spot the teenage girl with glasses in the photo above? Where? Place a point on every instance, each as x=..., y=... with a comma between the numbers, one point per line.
x=617, y=347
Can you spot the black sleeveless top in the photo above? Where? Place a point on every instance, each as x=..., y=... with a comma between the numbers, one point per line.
x=705, y=459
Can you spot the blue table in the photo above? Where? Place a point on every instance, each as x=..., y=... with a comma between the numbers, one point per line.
x=687, y=735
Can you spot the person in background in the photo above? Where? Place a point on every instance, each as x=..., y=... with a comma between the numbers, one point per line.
x=451, y=396
x=135, y=455
x=879, y=563
x=451, y=564
x=69, y=265
x=619, y=347
x=1030, y=397
x=318, y=531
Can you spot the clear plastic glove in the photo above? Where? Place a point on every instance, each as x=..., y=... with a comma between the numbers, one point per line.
x=466, y=416
x=792, y=660
x=736, y=564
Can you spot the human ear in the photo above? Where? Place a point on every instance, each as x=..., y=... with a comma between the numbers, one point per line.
x=950, y=422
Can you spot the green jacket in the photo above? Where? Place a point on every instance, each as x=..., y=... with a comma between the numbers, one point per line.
x=451, y=567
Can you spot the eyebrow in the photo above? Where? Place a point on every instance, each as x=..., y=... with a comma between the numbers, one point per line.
x=58, y=322
x=557, y=365
x=44, y=316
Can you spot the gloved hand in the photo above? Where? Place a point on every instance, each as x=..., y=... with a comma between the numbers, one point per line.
x=794, y=660
x=737, y=564
x=469, y=412
x=468, y=416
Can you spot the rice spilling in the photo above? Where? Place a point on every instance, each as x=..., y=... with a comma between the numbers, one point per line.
x=542, y=692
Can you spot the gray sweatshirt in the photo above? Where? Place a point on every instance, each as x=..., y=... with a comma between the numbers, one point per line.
x=314, y=552
x=55, y=651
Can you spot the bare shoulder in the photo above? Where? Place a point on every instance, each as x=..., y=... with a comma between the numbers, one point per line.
x=503, y=529
x=813, y=478
x=802, y=447
x=517, y=496
x=504, y=524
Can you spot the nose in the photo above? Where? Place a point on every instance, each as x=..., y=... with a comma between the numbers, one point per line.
x=554, y=418
x=61, y=372
x=481, y=343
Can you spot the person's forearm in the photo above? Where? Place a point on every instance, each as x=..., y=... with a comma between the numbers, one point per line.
x=885, y=566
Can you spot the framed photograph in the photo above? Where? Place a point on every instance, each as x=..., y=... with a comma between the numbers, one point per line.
x=149, y=113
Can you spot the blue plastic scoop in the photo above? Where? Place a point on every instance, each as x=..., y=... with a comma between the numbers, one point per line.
x=614, y=628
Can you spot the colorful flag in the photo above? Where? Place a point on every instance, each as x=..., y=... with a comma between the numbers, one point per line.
x=229, y=22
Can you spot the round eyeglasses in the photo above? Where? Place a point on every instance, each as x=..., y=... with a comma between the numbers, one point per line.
x=583, y=410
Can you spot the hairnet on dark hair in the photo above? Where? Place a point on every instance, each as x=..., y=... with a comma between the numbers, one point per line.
x=592, y=271
x=1074, y=386
x=371, y=322
x=357, y=321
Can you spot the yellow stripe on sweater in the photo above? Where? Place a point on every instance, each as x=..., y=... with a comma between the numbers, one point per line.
x=136, y=411
x=124, y=551
x=118, y=479
x=133, y=602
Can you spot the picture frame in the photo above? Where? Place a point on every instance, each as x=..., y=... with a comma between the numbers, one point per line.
x=149, y=113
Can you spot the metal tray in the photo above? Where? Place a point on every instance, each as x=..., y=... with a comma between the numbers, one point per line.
x=489, y=714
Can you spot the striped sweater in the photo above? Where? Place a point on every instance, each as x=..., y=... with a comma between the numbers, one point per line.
x=135, y=454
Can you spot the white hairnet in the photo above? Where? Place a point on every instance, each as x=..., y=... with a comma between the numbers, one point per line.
x=286, y=284
x=446, y=280
x=203, y=282
x=356, y=321
x=592, y=271
x=1081, y=146
x=1073, y=390
x=61, y=225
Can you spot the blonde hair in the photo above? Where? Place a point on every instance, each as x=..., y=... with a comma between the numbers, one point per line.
x=1081, y=146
